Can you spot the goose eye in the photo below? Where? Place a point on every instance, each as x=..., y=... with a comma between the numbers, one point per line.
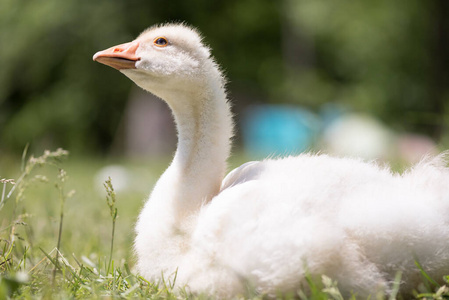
x=161, y=42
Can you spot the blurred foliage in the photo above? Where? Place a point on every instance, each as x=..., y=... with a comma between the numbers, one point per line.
x=385, y=57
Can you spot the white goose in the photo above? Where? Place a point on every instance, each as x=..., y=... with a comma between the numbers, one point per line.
x=269, y=223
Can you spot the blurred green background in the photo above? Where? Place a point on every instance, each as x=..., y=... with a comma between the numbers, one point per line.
x=385, y=58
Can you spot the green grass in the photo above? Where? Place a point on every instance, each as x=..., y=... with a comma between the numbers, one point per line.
x=66, y=235
x=45, y=209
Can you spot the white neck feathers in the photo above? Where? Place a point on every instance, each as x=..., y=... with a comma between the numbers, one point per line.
x=204, y=125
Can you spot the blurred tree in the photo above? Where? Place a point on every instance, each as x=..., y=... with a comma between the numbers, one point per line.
x=50, y=92
x=385, y=57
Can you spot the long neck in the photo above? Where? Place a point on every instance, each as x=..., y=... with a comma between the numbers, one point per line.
x=204, y=125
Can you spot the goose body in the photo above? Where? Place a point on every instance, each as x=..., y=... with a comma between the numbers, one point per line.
x=267, y=225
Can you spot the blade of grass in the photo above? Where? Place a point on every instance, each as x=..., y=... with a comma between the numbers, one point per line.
x=425, y=275
x=110, y=200
x=396, y=285
x=24, y=155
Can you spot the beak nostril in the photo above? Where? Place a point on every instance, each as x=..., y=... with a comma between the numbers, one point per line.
x=117, y=50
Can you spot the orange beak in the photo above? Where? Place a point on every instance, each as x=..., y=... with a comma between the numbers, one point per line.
x=119, y=57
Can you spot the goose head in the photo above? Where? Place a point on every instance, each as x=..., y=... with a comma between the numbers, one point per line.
x=162, y=59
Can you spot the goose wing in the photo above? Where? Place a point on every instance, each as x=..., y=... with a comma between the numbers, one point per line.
x=247, y=171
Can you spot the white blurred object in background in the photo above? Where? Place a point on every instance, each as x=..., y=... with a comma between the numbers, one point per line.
x=358, y=135
x=120, y=178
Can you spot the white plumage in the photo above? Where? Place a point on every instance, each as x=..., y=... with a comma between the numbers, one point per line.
x=268, y=224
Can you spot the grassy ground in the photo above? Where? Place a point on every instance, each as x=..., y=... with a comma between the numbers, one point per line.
x=60, y=202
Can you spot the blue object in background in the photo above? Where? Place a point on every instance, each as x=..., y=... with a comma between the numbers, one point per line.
x=270, y=130
x=331, y=112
